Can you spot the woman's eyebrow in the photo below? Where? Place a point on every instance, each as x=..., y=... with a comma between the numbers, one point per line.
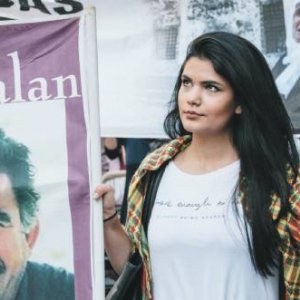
x=205, y=82
x=211, y=82
x=183, y=76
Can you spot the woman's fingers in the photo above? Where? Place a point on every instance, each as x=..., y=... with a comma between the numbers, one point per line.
x=105, y=192
x=101, y=190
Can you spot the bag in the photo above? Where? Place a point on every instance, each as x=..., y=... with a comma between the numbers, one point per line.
x=127, y=286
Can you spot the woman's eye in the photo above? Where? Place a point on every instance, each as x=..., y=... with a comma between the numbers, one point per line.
x=186, y=82
x=212, y=88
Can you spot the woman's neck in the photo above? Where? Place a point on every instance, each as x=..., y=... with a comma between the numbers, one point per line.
x=207, y=154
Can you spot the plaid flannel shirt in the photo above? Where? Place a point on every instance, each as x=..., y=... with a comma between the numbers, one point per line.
x=288, y=227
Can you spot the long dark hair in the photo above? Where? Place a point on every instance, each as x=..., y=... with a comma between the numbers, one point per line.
x=262, y=135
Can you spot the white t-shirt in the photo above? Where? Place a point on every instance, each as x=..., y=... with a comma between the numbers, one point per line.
x=198, y=249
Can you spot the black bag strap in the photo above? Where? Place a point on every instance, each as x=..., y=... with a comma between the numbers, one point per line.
x=152, y=184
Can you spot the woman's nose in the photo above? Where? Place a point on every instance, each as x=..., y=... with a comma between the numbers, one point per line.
x=193, y=102
x=194, y=99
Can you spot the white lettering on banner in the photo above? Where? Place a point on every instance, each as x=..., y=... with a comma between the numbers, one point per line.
x=60, y=86
x=38, y=86
x=17, y=76
x=42, y=90
x=2, y=93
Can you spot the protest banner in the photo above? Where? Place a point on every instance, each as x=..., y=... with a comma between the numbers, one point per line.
x=49, y=105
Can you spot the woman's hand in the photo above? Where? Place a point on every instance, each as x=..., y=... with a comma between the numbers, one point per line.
x=106, y=193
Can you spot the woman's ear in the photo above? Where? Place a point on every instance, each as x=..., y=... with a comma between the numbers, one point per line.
x=238, y=110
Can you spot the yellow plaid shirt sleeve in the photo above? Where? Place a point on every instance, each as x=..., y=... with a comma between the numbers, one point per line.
x=289, y=231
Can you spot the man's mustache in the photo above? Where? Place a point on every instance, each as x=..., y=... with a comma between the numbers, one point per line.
x=2, y=267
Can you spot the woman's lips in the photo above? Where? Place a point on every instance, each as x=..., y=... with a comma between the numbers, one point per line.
x=192, y=114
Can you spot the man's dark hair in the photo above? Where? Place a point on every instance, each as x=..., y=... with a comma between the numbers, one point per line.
x=262, y=135
x=15, y=163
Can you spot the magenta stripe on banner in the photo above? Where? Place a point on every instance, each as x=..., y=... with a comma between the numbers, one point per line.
x=79, y=193
x=78, y=185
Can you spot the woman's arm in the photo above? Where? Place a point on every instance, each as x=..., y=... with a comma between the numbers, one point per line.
x=117, y=243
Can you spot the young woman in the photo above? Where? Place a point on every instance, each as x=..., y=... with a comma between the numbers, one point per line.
x=223, y=213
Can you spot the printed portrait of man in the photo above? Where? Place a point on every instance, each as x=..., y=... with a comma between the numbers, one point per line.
x=20, y=278
x=287, y=69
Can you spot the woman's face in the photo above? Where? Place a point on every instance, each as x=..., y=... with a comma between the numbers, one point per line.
x=205, y=99
x=296, y=23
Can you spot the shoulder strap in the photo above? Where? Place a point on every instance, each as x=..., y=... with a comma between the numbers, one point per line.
x=151, y=186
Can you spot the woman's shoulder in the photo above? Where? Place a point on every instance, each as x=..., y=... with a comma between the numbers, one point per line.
x=165, y=152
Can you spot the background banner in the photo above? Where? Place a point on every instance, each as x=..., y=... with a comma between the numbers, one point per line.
x=142, y=45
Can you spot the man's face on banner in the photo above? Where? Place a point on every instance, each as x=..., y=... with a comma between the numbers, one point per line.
x=14, y=246
x=296, y=23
